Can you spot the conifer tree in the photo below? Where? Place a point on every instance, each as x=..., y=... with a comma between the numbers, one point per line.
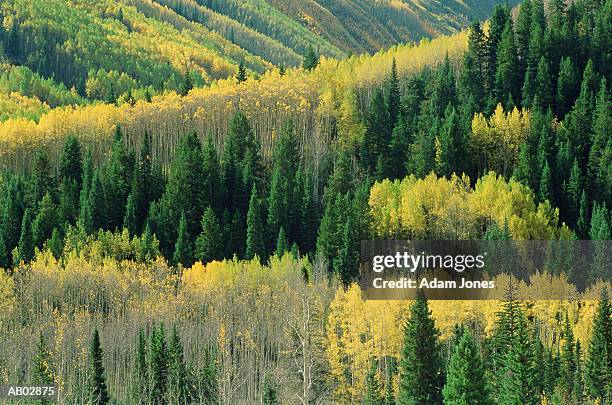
x=393, y=101
x=499, y=19
x=12, y=212
x=373, y=389
x=523, y=172
x=96, y=203
x=26, y=242
x=282, y=245
x=546, y=185
x=97, y=381
x=421, y=373
x=4, y=252
x=209, y=244
x=568, y=362
x=451, y=146
x=523, y=35
x=186, y=84
x=599, y=170
x=583, y=222
x=567, y=87
x=378, y=134
x=146, y=244
x=346, y=262
x=158, y=365
x=140, y=385
x=43, y=180
x=241, y=76
x=598, y=367
x=573, y=191
x=45, y=221
x=43, y=365
x=182, y=249
x=465, y=379
x=543, y=94
x=71, y=166
x=269, y=394
x=212, y=183
x=129, y=219
x=118, y=181
x=471, y=79
x=178, y=375
x=255, y=245
x=444, y=90
x=56, y=244
x=506, y=76
x=311, y=59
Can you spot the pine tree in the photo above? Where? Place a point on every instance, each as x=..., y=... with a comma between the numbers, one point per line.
x=140, y=387
x=311, y=59
x=346, y=262
x=598, y=368
x=444, y=90
x=393, y=101
x=68, y=202
x=378, y=133
x=4, y=252
x=373, y=389
x=241, y=76
x=43, y=180
x=421, y=373
x=209, y=244
x=130, y=220
x=71, y=167
x=578, y=388
x=465, y=380
x=97, y=203
x=45, y=221
x=269, y=394
x=567, y=87
x=255, y=245
x=568, y=362
x=573, y=190
x=43, y=365
x=56, y=244
x=497, y=25
x=599, y=169
x=178, y=376
x=97, y=382
x=146, y=244
x=118, y=181
x=542, y=98
x=450, y=159
x=213, y=193
x=546, y=185
x=207, y=377
x=600, y=233
x=182, y=249
x=523, y=172
x=186, y=84
x=26, y=242
x=158, y=365
x=282, y=246
x=583, y=222
x=523, y=35
x=506, y=76
x=471, y=79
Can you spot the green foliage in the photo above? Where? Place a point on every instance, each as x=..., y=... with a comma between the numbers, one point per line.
x=420, y=358
x=209, y=244
x=26, y=241
x=182, y=249
x=373, y=394
x=255, y=245
x=98, y=391
x=599, y=361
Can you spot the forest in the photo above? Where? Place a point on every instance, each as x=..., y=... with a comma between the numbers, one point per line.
x=199, y=242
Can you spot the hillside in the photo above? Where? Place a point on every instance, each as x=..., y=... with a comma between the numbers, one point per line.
x=120, y=50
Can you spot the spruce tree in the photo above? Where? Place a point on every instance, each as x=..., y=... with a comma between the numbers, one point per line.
x=4, y=252
x=140, y=384
x=598, y=367
x=43, y=364
x=567, y=87
x=158, y=365
x=129, y=220
x=282, y=245
x=373, y=394
x=45, y=221
x=393, y=101
x=506, y=76
x=182, y=249
x=43, y=180
x=421, y=372
x=71, y=166
x=573, y=190
x=178, y=375
x=543, y=94
x=186, y=84
x=26, y=242
x=599, y=169
x=465, y=375
x=209, y=244
x=56, y=244
x=269, y=394
x=346, y=262
x=255, y=245
x=213, y=193
x=583, y=222
x=472, y=75
x=546, y=185
x=311, y=59
x=241, y=76
x=568, y=362
x=97, y=204
x=118, y=182
x=450, y=159
x=98, y=391
x=523, y=35
x=378, y=134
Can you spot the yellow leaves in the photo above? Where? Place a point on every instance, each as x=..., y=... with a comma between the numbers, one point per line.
x=7, y=295
x=498, y=139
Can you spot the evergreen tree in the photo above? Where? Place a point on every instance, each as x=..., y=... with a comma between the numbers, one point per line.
x=56, y=244
x=186, y=84
x=241, y=76
x=523, y=36
x=421, y=373
x=158, y=365
x=71, y=167
x=542, y=98
x=207, y=377
x=12, y=212
x=568, y=362
x=378, y=133
x=129, y=220
x=182, y=249
x=450, y=158
x=346, y=262
x=68, y=202
x=269, y=395
x=600, y=233
x=144, y=187
x=546, y=185
x=118, y=181
x=282, y=245
x=471, y=79
x=178, y=375
x=599, y=169
x=311, y=59
x=43, y=180
x=506, y=76
x=524, y=170
x=43, y=364
x=567, y=87
x=583, y=222
x=213, y=193
x=26, y=242
x=96, y=203
x=398, y=150
x=209, y=244
x=140, y=387
x=4, y=252
x=497, y=25
x=573, y=190
x=598, y=367
x=373, y=389
x=97, y=382
x=444, y=90
x=45, y=221
x=465, y=380
x=255, y=241
x=393, y=101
